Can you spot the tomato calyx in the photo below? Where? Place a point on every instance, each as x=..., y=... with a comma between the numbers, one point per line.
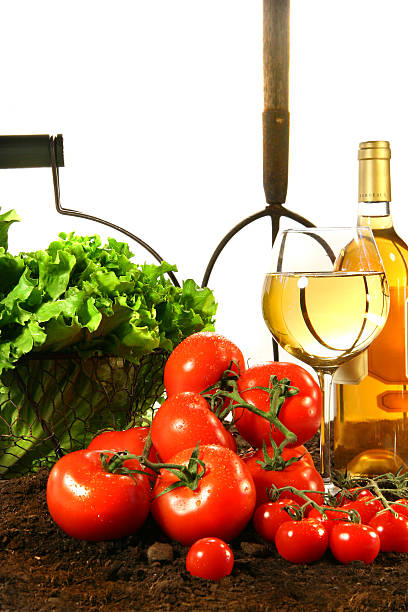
x=188, y=475
x=276, y=462
x=217, y=394
x=227, y=389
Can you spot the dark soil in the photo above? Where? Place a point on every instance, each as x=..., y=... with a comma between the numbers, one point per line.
x=41, y=569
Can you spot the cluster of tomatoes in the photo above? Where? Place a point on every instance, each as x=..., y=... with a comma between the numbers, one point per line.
x=185, y=469
x=355, y=529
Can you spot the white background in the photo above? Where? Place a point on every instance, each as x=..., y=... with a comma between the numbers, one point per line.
x=160, y=106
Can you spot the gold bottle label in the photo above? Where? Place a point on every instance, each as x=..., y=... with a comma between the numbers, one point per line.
x=374, y=184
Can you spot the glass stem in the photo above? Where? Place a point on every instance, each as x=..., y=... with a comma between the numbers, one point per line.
x=326, y=385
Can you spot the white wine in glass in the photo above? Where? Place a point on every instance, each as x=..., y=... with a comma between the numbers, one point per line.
x=321, y=311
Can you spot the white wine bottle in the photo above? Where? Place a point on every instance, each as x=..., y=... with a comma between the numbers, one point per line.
x=371, y=425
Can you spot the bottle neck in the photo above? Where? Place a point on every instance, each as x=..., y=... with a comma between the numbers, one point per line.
x=376, y=215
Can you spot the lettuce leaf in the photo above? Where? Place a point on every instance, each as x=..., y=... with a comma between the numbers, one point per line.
x=84, y=298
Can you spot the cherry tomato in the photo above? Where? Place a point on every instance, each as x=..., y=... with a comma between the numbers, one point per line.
x=199, y=362
x=299, y=474
x=354, y=542
x=268, y=517
x=182, y=421
x=401, y=507
x=393, y=531
x=366, y=505
x=333, y=517
x=132, y=440
x=348, y=495
x=302, y=541
x=220, y=506
x=300, y=413
x=90, y=503
x=210, y=558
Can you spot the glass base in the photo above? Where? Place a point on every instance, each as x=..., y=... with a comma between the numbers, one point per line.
x=330, y=487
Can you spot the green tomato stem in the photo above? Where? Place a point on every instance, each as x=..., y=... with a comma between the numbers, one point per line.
x=279, y=391
x=302, y=493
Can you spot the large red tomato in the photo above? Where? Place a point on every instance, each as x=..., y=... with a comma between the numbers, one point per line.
x=90, y=503
x=199, y=362
x=182, y=421
x=220, y=506
x=300, y=474
x=299, y=452
x=300, y=413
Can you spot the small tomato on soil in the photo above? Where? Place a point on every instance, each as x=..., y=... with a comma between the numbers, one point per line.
x=302, y=541
x=210, y=558
x=90, y=503
x=185, y=419
x=220, y=506
x=300, y=413
x=354, y=542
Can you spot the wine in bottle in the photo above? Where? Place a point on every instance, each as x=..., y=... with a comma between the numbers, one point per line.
x=371, y=424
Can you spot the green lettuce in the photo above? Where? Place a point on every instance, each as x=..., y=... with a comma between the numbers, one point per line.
x=88, y=300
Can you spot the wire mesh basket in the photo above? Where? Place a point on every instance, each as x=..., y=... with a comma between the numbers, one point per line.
x=56, y=403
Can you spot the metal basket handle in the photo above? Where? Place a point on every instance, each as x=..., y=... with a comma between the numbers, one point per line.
x=37, y=151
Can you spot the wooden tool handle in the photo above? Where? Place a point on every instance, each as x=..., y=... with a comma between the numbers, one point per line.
x=276, y=99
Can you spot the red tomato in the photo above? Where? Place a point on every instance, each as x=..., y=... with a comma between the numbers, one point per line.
x=210, y=558
x=268, y=517
x=302, y=541
x=182, y=421
x=199, y=362
x=354, y=542
x=366, y=505
x=90, y=503
x=393, y=531
x=401, y=506
x=300, y=413
x=220, y=506
x=299, y=474
x=333, y=517
x=348, y=495
x=297, y=451
x=132, y=440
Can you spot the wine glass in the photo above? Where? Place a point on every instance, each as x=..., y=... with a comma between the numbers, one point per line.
x=324, y=300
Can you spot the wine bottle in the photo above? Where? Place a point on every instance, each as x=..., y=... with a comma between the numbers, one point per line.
x=371, y=426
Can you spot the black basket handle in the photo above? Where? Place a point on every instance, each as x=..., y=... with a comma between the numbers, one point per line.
x=39, y=151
